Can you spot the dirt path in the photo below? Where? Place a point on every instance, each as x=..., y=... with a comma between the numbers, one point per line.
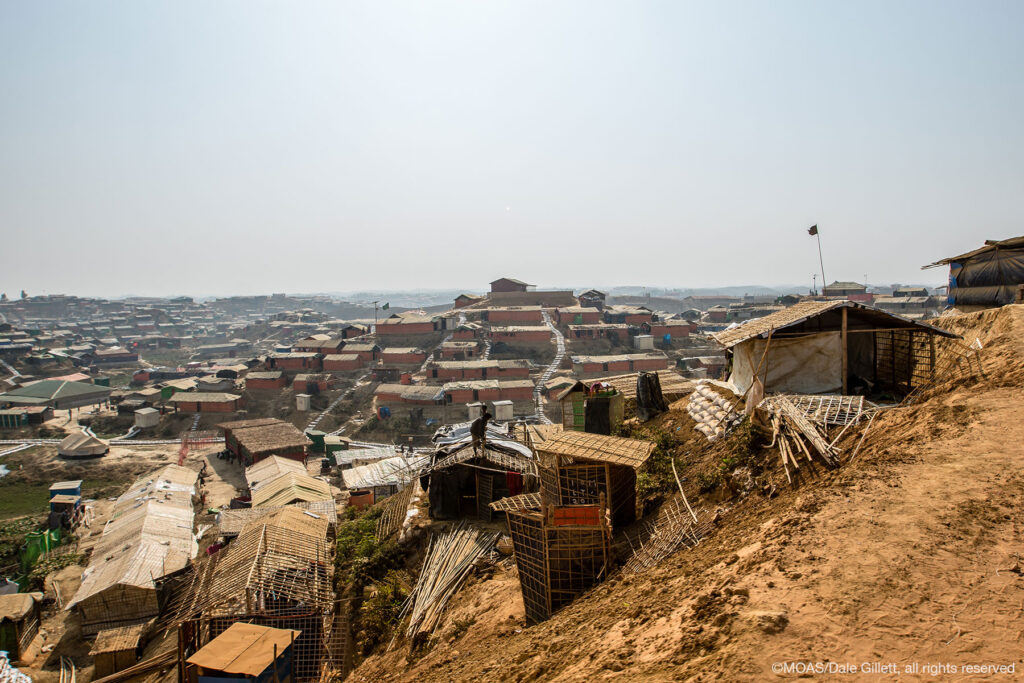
x=908, y=558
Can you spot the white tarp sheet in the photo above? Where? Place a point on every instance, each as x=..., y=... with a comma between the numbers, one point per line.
x=805, y=365
x=396, y=471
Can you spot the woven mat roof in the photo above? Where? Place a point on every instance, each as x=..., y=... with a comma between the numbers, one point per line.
x=861, y=315
x=611, y=449
x=231, y=522
x=117, y=639
x=270, y=468
x=289, y=487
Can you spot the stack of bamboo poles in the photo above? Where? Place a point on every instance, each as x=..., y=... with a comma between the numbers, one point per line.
x=450, y=557
x=797, y=436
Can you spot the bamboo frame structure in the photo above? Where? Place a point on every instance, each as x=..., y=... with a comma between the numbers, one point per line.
x=555, y=563
x=272, y=575
x=590, y=483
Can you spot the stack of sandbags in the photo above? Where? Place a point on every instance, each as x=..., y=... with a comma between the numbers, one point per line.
x=712, y=411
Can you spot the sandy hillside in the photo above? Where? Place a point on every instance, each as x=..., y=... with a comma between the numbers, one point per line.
x=910, y=553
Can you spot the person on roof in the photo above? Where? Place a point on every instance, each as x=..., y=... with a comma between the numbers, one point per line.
x=478, y=430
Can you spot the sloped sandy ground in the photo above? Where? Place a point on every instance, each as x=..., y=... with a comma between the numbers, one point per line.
x=910, y=553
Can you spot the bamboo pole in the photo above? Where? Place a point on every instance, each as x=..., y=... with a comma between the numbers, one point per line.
x=681, y=492
x=845, y=352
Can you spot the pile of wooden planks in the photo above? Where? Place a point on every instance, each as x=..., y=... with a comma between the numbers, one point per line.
x=449, y=559
x=798, y=438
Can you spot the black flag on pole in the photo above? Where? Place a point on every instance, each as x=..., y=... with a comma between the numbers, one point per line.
x=813, y=230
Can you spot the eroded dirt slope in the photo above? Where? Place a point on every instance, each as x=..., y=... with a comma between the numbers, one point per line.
x=910, y=553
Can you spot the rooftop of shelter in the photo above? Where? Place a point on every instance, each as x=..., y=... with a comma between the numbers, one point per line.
x=597, y=447
x=812, y=317
x=616, y=357
x=288, y=487
x=244, y=649
x=990, y=245
x=520, y=328
x=268, y=437
x=202, y=397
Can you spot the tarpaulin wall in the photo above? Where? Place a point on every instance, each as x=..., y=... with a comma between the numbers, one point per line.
x=990, y=278
x=805, y=365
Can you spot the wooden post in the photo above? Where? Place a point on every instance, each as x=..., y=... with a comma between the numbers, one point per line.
x=892, y=352
x=874, y=356
x=845, y=361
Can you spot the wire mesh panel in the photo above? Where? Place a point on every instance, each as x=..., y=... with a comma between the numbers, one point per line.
x=577, y=559
x=529, y=547
x=582, y=484
x=905, y=359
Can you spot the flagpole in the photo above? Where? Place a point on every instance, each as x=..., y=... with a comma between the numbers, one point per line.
x=821, y=262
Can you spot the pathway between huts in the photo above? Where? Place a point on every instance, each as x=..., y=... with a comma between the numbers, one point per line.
x=550, y=370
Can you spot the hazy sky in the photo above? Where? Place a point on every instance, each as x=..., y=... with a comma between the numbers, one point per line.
x=244, y=147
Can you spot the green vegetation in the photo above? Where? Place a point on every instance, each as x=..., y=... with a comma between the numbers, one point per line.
x=367, y=570
x=381, y=610
x=360, y=557
x=19, y=498
x=655, y=477
x=12, y=537
x=52, y=562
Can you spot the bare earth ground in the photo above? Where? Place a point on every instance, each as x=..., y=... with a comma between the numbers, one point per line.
x=910, y=553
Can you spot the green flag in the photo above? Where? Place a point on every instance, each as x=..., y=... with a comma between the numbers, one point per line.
x=385, y=307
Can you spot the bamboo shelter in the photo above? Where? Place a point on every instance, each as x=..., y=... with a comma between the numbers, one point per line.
x=580, y=469
x=149, y=535
x=245, y=652
x=819, y=347
x=278, y=572
x=556, y=563
x=587, y=485
x=116, y=649
x=19, y=622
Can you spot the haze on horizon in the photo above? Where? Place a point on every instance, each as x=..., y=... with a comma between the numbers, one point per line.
x=229, y=148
